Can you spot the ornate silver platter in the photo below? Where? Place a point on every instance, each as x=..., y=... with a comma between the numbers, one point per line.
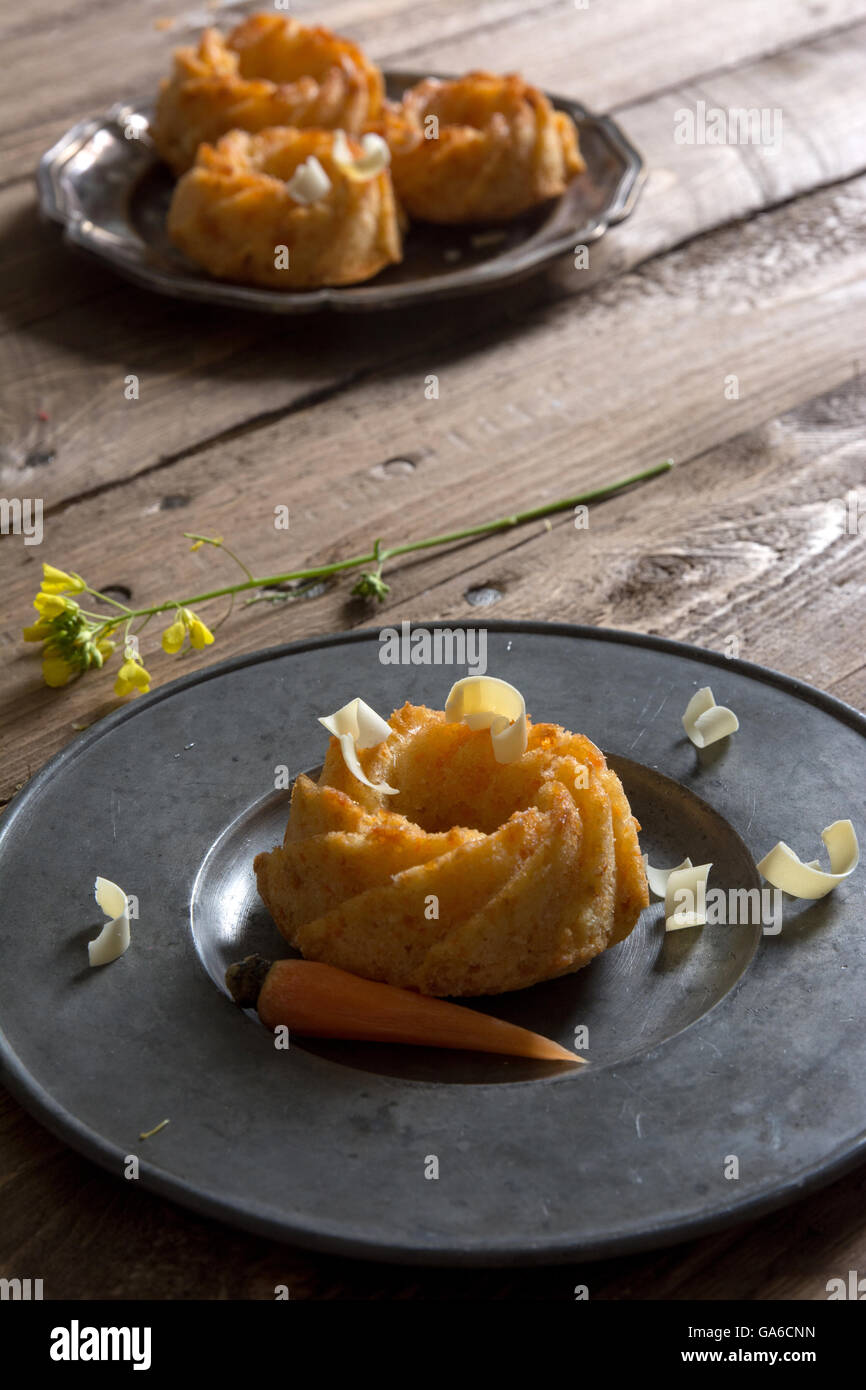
x=103, y=182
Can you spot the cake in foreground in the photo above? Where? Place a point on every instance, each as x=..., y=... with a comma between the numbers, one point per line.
x=475, y=876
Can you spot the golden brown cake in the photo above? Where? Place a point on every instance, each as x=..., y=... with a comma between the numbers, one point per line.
x=477, y=877
x=270, y=71
x=481, y=148
x=244, y=212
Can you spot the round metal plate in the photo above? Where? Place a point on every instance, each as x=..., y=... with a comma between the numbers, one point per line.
x=703, y=1045
x=105, y=185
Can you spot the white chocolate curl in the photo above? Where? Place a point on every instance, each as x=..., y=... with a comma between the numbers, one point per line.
x=658, y=878
x=784, y=870
x=375, y=158
x=669, y=883
x=484, y=702
x=113, y=940
x=309, y=182
x=691, y=882
x=356, y=725
x=705, y=722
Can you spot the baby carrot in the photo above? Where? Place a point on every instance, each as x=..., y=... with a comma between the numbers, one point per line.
x=317, y=1000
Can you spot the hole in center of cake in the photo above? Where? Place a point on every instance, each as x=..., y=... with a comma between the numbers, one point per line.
x=475, y=794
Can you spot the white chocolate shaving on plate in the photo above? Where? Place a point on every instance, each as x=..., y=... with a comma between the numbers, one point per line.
x=785, y=870
x=658, y=878
x=375, y=158
x=705, y=722
x=484, y=702
x=689, y=884
x=113, y=940
x=309, y=182
x=356, y=725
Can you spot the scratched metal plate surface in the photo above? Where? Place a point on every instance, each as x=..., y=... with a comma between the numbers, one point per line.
x=702, y=1044
x=110, y=193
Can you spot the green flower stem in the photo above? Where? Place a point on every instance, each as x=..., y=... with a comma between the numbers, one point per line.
x=535, y=514
x=378, y=556
x=105, y=598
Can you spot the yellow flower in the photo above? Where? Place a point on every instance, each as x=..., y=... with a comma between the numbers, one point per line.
x=174, y=636
x=132, y=678
x=104, y=647
x=52, y=605
x=56, y=671
x=200, y=634
x=40, y=630
x=55, y=581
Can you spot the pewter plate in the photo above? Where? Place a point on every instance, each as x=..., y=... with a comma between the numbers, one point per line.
x=703, y=1044
x=105, y=185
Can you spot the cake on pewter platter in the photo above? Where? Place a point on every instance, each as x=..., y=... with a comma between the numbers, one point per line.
x=460, y=852
x=270, y=70
x=249, y=193
x=499, y=149
x=295, y=172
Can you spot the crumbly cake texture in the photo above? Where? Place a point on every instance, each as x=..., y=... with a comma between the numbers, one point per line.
x=476, y=878
x=269, y=71
x=233, y=210
x=481, y=148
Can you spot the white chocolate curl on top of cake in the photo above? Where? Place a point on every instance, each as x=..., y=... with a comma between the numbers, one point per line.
x=485, y=702
x=375, y=158
x=356, y=726
x=309, y=182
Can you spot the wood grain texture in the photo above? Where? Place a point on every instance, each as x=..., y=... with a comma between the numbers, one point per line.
x=750, y=541
x=205, y=371
x=740, y=262
x=613, y=53
x=572, y=401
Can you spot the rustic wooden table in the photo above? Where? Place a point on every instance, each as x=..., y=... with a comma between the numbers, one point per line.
x=721, y=326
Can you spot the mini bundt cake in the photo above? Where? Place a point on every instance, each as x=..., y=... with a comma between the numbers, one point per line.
x=270, y=71
x=287, y=209
x=476, y=877
x=481, y=148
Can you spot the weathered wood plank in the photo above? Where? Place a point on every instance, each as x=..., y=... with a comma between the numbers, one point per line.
x=73, y=63
x=567, y=402
x=752, y=547
x=611, y=55
x=206, y=371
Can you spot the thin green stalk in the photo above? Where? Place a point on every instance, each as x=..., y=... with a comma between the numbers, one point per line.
x=378, y=556
x=534, y=514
